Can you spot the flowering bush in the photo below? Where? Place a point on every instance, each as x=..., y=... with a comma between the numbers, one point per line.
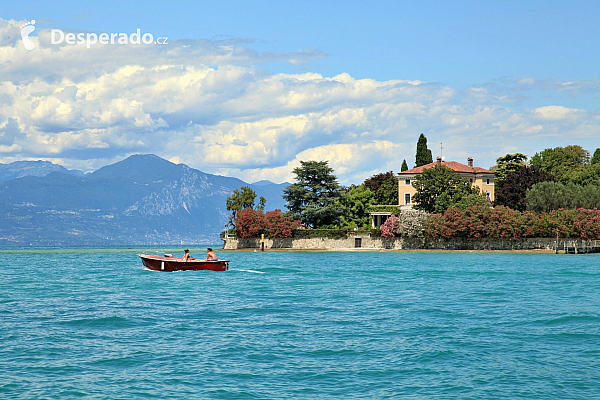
x=280, y=225
x=390, y=226
x=411, y=223
x=531, y=224
x=587, y=223
x=276, y=224
x=248, y=222
x=502, y=222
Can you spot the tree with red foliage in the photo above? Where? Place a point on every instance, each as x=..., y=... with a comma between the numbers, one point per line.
x=531, y=224
x=505, y=223
x=280, y=225
x=587, y=223
x=249, y=222
x=373, y=183
x=512, y=190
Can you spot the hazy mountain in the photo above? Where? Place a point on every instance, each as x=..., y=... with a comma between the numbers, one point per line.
x=273, y=192
x=19, y=169
x=143, y=199
x=267, y=183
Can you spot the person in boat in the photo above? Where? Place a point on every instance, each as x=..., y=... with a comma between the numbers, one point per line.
x=211, y=255
x=186, y=255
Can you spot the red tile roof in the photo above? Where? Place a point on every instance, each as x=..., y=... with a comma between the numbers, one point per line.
x=453, y=165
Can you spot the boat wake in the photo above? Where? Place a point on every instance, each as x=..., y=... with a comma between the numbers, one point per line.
x=250, y=270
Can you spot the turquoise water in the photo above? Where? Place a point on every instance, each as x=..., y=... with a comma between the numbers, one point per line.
x=301, y=325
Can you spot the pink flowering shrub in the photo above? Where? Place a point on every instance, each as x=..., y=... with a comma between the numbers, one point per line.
x=275, y=224
x=390, y=226
x=280, y=225
x=587, y=223
x=503, y=223
x=248, y=222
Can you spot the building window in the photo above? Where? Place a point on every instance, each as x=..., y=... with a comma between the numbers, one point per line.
x=406, y=198
x=407, y=181
x=471, y=180
x=488, y=181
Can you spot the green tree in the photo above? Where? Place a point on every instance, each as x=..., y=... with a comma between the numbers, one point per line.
x=312, y=198
x=354, y=204
x=404, y=166
x=387, y=194
x=466, y=201
x=509, y=163
x=241, y=199
x=440, y=188
x=423, y=155
x=589, y=174
x=596, y=157
x=511, y=191
x=548, y=196
x=559, y=161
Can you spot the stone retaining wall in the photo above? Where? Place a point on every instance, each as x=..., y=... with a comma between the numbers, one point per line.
x=379, y=243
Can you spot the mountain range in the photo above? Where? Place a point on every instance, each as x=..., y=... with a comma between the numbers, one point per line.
x=143, y=199
x=19, y=169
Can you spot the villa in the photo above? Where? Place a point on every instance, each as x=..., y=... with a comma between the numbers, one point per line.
x=479, y=177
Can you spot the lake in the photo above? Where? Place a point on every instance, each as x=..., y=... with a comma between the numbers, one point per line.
x=300, y=325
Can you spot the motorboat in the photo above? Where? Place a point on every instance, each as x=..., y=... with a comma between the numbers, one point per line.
x=168, y=263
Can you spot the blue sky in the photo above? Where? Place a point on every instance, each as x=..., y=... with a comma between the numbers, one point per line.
x=483, y=77
x=457, y=43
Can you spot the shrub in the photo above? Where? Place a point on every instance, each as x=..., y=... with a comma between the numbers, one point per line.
x=531, y=224
x=312, y=233
x=279, y=225
x=248, y=222
x=587, y=223
x=548, y=196
x=412, y=223
x=434, y=225
x=275, y=224
x=502, y=222
x=390, y=226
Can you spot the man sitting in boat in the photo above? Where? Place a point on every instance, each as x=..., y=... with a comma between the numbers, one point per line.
x=211, y=255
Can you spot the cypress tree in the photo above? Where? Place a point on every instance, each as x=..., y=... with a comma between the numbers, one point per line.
x=423, y=155
x=404, y=166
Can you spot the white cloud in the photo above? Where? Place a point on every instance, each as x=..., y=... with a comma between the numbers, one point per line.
x=210, y=105
x=353, y=163
x=558, y=113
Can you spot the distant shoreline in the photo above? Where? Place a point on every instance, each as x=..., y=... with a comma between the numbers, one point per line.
x=367, y=243
x=393, y=250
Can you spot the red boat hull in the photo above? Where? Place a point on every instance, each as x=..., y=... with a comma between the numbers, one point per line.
x=170, y=264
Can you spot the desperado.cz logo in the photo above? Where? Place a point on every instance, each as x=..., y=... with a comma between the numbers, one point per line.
x=57, y=36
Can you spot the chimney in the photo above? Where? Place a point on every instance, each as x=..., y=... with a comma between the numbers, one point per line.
x=439, y=160
x=470, y=162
